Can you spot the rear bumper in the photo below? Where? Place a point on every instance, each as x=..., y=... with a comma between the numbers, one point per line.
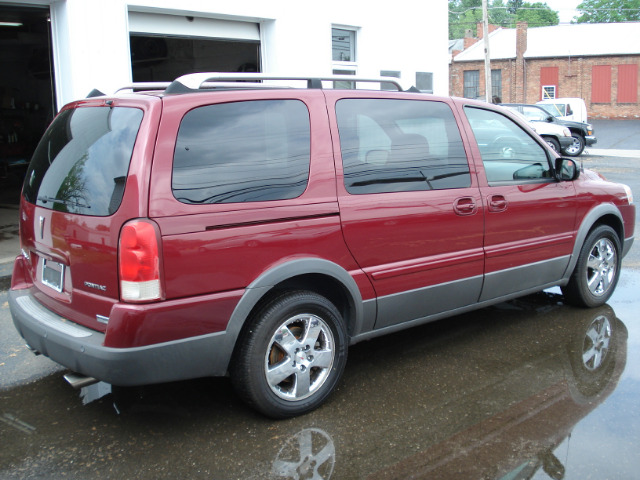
x=81, y=349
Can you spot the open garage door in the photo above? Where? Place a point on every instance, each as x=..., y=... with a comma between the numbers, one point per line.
x=164, y=47
x=27, y=97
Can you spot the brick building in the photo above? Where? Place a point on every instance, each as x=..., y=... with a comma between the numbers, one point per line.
x=596, y=62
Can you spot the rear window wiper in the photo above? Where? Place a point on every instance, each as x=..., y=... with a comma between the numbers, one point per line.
x=45, y=199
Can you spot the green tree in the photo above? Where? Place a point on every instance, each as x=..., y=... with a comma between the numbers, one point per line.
x=537, y=15
x=499, y=14
x=514, y=5
x=73, y=194
x=466, y=14
x=607, y=11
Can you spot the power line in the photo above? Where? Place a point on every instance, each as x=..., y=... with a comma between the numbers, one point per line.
x=546, y=9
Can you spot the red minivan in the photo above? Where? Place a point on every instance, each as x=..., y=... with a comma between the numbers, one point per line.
x=209, y=229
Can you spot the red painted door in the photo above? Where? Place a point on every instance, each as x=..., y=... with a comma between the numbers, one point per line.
x=410, y=207
x=530, y=217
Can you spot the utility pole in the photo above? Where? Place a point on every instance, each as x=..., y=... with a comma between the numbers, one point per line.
x=487, y=56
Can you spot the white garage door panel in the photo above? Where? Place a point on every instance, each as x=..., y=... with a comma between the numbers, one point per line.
x=159, y=24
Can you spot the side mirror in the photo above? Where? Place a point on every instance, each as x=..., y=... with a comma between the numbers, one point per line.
x=569, y=111
x=566, y=170
x=550, y=118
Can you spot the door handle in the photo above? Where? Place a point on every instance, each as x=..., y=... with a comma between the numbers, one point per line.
x=497, y=203
x=465, y=206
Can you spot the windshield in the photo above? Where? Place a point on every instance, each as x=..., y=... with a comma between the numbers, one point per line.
x=555, y=109
x=81, y=163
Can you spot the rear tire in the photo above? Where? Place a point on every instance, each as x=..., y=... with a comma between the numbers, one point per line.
x=597, y=271
x=291, y=356
x=553, y=143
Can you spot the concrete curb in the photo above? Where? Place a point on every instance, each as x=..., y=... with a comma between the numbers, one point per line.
x=606, y=152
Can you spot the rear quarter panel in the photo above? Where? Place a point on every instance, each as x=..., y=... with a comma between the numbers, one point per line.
x=223, y=247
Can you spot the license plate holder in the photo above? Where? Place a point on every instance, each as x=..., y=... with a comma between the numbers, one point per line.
x=53, y=274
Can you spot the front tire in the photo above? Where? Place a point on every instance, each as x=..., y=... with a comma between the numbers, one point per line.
x=291, y=356
x=577, y=147
x=597, y=271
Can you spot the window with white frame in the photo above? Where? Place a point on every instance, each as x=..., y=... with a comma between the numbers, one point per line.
x=548, y=91
x=343, y=45
x=343, y=48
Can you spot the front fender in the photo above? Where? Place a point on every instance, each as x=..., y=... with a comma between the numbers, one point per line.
x=589, y=220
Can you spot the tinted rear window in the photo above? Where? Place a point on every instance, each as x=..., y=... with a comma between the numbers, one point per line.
x=80, y=165
x=242, y=152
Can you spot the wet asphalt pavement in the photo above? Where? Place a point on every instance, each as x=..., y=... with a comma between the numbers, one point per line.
x=528, y=389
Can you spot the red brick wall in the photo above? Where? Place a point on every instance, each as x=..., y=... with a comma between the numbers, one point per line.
x=456, y=78
x=574, y=78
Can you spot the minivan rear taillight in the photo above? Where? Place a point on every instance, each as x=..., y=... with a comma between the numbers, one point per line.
x=139, y=262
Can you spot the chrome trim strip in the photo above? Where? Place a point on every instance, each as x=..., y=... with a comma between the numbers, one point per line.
x=527, y=265
x=512, y=248
x=424, y=264
x=50, y=319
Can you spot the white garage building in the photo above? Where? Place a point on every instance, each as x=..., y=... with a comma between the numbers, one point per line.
x=55, y=51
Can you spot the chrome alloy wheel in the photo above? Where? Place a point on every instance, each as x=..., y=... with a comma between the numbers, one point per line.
x=300, y=357
x=596, y=343
x=553, y=144
x=601, y=267
x=576, y=147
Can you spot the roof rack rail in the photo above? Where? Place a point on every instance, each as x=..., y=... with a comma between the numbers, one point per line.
x=202, y=81
x=198, y=81
x=144, y=86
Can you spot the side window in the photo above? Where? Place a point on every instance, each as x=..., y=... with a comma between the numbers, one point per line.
x=509, y=154
x=400, y=145
x=242, y=152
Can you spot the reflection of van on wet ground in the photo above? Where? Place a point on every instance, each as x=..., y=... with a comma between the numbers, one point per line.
x=566, y=108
